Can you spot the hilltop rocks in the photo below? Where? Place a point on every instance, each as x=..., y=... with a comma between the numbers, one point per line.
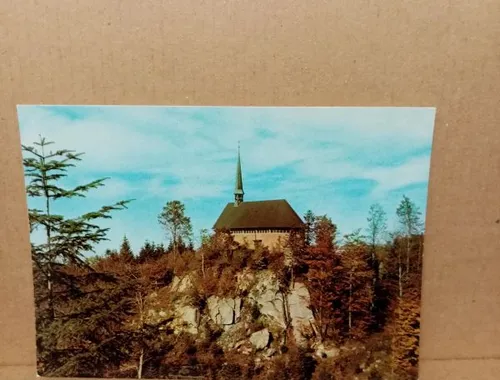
x=263, y=305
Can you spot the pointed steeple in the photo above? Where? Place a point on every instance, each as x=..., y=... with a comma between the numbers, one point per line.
x=238, y=190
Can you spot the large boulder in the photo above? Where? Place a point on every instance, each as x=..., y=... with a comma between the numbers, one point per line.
x=326, y=352
x=260, y=339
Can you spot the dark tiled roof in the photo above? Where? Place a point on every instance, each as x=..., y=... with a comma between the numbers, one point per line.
x=260, y=214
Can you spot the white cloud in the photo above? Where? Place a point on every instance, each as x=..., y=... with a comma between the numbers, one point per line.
x=416, y=170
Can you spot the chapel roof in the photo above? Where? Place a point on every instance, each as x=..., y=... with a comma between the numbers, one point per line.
x=259, y=214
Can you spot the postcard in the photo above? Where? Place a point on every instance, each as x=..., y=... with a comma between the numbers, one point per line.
x=227, y=242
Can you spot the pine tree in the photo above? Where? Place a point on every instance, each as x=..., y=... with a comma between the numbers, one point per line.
x=66, y=240
x=147, y=252
x=85, y=339
x=159, y=251
x=126, y=253
x=73, y=302
x=309, y=218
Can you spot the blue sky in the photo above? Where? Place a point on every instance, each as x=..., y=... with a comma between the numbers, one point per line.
x=335, y=161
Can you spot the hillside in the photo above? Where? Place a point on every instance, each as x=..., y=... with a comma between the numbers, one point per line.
x=228, y=312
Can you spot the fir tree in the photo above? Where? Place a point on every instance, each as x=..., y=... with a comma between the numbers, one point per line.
x=147, y=252
x=69, y=303
x=126, y=253
x=309, y=218
x=66, y=240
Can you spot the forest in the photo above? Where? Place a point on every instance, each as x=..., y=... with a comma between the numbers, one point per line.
x=93, y=312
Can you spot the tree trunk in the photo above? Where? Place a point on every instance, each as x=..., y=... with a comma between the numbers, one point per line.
x=286, y=310
x=203, y=263
x=400, y=275
x=140, y=306
x=50, y=297
x=408, y=253
x=420, y=251
x=141, y=362
x=321, y=315
x=374, y=289
x=49, y=248
x=350, y=302
x=174, y=238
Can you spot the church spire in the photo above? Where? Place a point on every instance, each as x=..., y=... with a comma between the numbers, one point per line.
x=238, y=191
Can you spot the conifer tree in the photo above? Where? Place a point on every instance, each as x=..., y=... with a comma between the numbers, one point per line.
x=147, y=252
x=309, y=218
x=126, y=253
x=66, y=239
x=159, y=251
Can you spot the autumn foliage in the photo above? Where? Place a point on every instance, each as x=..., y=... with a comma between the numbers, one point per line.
x=92, y=313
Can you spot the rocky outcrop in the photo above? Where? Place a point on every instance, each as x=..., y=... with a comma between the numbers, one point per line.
x=265, y=308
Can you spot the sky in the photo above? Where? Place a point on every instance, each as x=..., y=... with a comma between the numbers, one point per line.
x=332, y=160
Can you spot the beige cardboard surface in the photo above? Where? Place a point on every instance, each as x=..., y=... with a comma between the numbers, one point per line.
x=357, y=52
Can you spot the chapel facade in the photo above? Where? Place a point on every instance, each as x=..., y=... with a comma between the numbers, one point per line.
x=266, y=222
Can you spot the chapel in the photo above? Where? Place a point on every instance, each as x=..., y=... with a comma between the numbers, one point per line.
x=265, y=222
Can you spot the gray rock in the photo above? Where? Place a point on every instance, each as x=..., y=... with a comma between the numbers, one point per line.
x=326, y=352
x=302, y=318
x=181, y=285
x=269, y=352
x=260, y=339
x=187, y=318
x=224, y=311
x=267, y=296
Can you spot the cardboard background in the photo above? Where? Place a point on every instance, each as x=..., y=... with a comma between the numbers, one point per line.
x=288, y=52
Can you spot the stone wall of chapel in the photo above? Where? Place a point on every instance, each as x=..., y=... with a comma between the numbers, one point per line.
x=270, y=238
